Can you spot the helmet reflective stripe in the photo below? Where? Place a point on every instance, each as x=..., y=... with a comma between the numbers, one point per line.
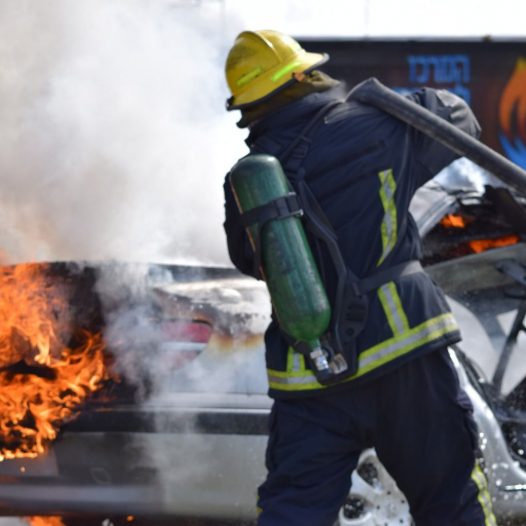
x=374, y=357
x=392, y=305
x=389, y=226
x=285, y=70
x=248, y=76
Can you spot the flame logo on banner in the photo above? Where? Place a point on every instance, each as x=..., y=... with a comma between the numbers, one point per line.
x=512, y=115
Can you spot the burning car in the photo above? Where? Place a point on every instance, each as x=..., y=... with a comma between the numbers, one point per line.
x=137, y=368
x=140, y=390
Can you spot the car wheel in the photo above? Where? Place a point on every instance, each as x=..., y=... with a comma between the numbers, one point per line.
x=374, y=499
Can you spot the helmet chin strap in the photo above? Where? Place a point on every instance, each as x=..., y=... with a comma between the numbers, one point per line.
x=299, y=76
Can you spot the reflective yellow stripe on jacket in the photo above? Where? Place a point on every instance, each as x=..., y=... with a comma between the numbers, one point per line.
x=483, y=496
x=389, y=226
x=399, y=345
x=392, y=305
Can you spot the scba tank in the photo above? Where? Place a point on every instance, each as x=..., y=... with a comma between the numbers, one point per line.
x=296, y=290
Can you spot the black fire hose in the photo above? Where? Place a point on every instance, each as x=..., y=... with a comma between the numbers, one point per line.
x=374, y=93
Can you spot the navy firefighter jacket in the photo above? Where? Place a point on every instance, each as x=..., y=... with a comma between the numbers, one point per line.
x=363, y=166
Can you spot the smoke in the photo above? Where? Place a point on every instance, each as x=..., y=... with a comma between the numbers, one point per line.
x=137, y=299
x=195, y=471
x=114, y=140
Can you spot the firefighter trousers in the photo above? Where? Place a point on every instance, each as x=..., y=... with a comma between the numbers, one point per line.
x=420, y=423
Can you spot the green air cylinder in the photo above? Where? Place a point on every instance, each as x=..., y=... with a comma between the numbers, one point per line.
x=293, y=281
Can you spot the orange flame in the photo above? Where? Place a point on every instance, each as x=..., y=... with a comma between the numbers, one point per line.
x=45, y=521
x=480, y=245
x=512, y=110
x=453, y=221
x=35, y=331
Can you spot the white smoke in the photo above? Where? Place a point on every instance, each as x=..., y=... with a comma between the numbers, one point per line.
x=114, y=140
x=136, y=298
x=114, y=145
x=113, y=135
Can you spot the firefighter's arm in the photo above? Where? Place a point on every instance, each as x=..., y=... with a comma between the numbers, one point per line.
x=239, y=248
x=431, y=154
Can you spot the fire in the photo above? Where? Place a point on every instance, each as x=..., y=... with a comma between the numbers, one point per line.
x=475, y=246
x=43, y=377
x=480, y=245
x=453, y=221
x=45, y=521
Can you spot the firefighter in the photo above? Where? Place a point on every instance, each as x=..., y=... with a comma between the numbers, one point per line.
x=363, y=167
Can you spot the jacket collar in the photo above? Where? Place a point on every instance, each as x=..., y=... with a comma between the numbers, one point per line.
x=294, y=113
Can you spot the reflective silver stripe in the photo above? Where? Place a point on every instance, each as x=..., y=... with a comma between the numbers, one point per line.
x=374, y=357
x=393, y=309
x=298, y=362
x=305, y=381
x=404, y=342
x=483, y=496
x=389, y=222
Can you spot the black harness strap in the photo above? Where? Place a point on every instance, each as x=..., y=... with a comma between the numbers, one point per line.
x=258, y=217
x=349, y=312
x=279, y=208
x=297, y=150
x=378, y=279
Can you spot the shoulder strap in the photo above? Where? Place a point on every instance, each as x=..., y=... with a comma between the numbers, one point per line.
x=301, y=143
x=291, y=159
x=349, y=312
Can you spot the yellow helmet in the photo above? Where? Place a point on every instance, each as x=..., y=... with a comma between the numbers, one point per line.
x=262, y=62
